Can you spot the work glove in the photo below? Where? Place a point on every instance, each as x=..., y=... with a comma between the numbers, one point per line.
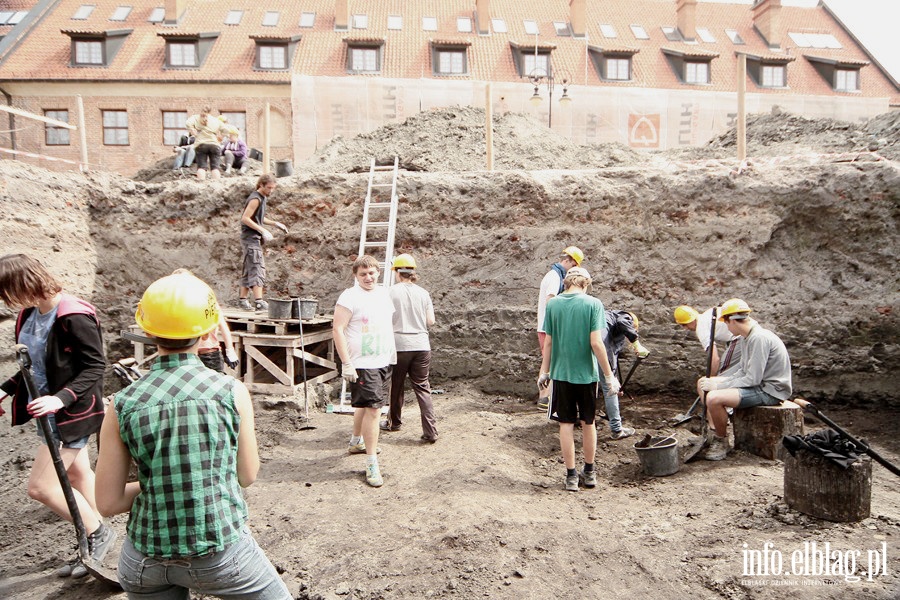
x=639, y=348
x=349, y=373
x=267, y=236
x=231, y=358
x=281, y=226
x=613, y=385
x=543, y=380
x=44, y=405
x=708, y=384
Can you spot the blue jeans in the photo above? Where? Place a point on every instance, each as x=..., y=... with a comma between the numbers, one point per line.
x=239, y=571
x=612, y=406
x=184, y=157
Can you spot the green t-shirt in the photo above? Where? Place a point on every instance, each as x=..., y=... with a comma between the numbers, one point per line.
x=569, y=321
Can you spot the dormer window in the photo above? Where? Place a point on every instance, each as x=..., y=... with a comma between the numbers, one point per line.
x=364, y=55
x=273, y=53
x=846, y=80
x=768, y=70
x=841, y=74
x=95, y=48
x=532, y=60
x=691, y=66
x=187, y=50
x=450, y=57
x=182, y=54
x=696, y=71
x=613, y=64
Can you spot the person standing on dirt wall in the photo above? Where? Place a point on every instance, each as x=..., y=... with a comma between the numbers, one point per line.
x=206, y=130
x=364, y=340
x=621, y=327
x=573, y=347
x=700, y=324
x=763, y=377
x=63, y=337
x=413, y=315
x=189, y=430
x=552, y=285
x=253, y=236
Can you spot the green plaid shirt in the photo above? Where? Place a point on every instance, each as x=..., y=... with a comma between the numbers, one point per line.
x=181, y=426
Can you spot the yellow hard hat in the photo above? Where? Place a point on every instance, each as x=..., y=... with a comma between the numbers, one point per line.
x=575, y=253
x=178, y=307
x=733, y=307
x=404, y=261
x=685, y=314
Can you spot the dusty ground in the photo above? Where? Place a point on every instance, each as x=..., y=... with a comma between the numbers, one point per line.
x=811, y=241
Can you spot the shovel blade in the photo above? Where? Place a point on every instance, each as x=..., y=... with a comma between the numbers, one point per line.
x=694, y=449
x=102, y=574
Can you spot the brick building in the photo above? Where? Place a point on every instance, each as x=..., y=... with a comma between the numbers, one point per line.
x=649, y=73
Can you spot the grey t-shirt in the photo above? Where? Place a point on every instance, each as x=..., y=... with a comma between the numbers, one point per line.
x=34, y=334
x=412, y=305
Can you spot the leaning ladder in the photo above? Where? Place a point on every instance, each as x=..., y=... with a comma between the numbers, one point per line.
x=383, y=244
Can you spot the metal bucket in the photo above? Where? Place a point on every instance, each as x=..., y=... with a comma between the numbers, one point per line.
x=279, y=309
x=659, y=461
x=284, y=168
x=304, y=308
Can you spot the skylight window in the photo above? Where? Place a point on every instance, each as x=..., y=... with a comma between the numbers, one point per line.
x=158, y=14
x=307, y=19
x=429, y=23
x=608, y=30
x=121, y=13
x=639, y=32
x=672, y=34
x=271, y=18
x=734, y=36
x=704, y=35
x=13, y=20
x=464, y=24
x=562, y=28
x=5, y=16
x=234, y=17
x=499, y=25
x=814, y=40
x=83, y=12
x=395, y=23
x=360, y=21
x=531, y=27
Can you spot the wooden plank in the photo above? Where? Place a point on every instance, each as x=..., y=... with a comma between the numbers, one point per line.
x=28, y=115
x=271, y=367
x=316, y=360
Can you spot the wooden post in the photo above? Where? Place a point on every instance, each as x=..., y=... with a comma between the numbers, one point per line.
x=266, y=138
x=489, y=126
x=818, y=487
x=759, y=430
x=82, y=134
x=742, y=108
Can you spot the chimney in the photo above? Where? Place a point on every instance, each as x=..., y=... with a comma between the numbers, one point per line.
x=578, y=17
x=483, y=16
x=174, y=11
x=686, y=17
x=342, y=14
x=767, y=20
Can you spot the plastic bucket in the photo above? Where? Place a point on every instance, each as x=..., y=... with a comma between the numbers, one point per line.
x=304, y=308
x=659, y=461
x=279, y=309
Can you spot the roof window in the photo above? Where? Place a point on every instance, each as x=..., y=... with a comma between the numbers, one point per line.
x=705, y=36
x=360, y=21
x=270, y=19
x=562, y=28
x=735, y=37
x=464, y=24
x=429, y=23
x=395, y=22
x=639, y=32
x=234, y=17
x=83, y=12
x=672, y=34
x=158, y=14
x=16, y=17
x=121, y=13
x=499, y=26
x=531, y=27
x=608, y=30
x=814, y=40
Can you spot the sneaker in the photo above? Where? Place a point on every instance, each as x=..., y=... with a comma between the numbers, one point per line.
x=244, y=304
x=79, y=570
x=572, y=483
x=74, y=568
x=360, y=448
x=101, y=541
x=428, y=440
x=718, y=449
x=622, y=433
x=543, y=403
x=373, y=476
x=385, y=426
x=590, y=478
x=261, y=305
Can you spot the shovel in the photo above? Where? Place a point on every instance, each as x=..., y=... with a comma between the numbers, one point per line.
x=679, y=419
x=813, y=410
x=695, y=449
x=107, y=576
x=306, y=427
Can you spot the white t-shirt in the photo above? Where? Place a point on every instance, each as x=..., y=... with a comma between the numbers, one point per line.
x=723, y=336
x=412, y=305
x=370, y=333
x=549, y=287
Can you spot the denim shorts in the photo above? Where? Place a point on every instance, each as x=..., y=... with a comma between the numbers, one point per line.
x=54, y=430
x=239, y=571
x=755, y=396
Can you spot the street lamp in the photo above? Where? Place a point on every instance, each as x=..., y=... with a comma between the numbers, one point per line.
x=539, y=76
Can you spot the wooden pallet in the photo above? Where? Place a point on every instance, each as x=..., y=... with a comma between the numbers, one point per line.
x=245, y=320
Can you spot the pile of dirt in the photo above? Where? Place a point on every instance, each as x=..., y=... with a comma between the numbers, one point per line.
x=162, y=170
x=453, y=139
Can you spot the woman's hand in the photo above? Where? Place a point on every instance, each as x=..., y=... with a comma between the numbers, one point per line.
x=45, y=405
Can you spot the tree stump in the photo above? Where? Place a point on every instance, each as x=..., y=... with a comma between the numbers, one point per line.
x=817, y=487
x=759, y=430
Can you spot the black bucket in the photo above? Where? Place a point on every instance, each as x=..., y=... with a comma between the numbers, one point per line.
x=284, y=168
x=279, y=309
x=304, y=308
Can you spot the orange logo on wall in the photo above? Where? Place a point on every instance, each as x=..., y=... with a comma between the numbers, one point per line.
x=643, y=131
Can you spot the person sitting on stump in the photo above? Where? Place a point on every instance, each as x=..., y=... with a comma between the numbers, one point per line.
x=763, y=378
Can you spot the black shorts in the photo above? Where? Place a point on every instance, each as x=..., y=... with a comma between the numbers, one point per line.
x=573, y=402
x=372, y=389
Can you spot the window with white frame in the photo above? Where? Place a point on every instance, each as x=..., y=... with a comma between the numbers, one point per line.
x=88, y=52
x=115, y=128
x=846, y=80
x=53, y=135
x=450, y=61
x=772, y=76
x=173, y=126
x=364, y=59
x=272, y=56
x=618, y=68
x=696, y=72
x=182, y=54
x=536, y=66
